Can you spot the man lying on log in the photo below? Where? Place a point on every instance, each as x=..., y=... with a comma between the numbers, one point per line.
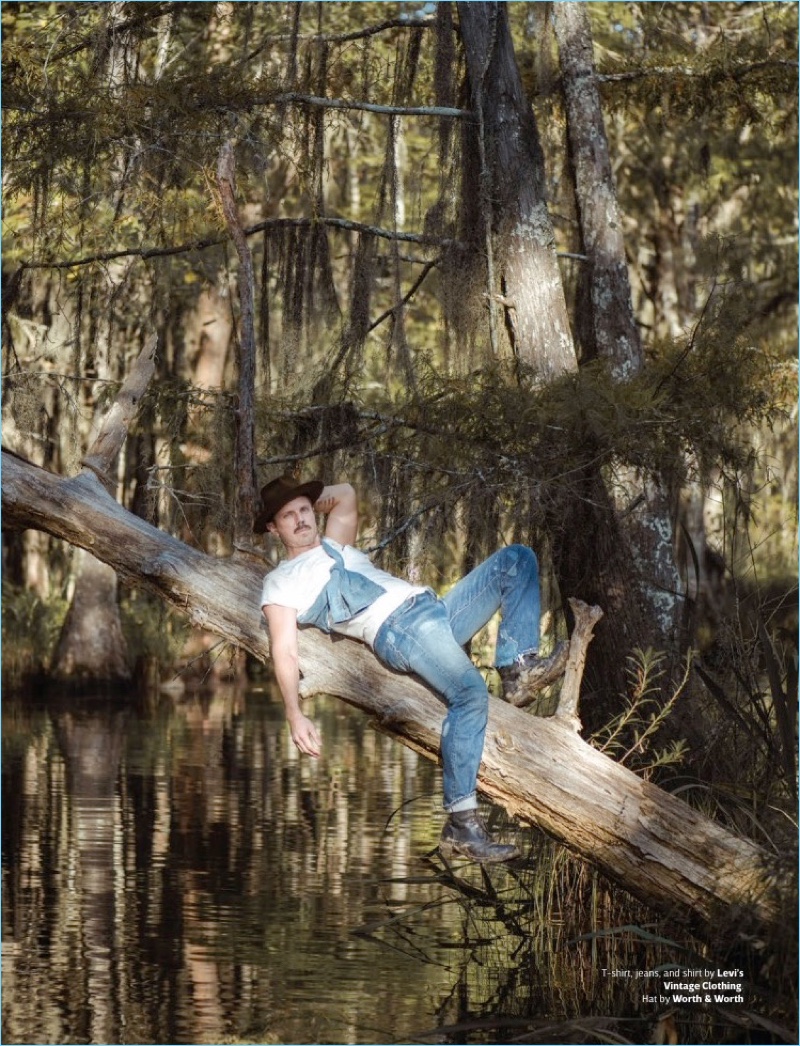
x=328, y=584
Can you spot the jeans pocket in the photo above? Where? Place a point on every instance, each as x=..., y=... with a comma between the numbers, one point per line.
x=388, y=651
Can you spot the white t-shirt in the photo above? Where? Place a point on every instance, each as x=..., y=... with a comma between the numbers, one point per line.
x=297, y=582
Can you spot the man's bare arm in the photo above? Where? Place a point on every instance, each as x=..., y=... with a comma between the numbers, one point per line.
x=282, y=624
x=340, y=503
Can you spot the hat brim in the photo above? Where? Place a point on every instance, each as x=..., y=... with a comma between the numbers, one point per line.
x=310, y=490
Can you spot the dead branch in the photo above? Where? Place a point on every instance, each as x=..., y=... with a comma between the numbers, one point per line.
x=586, y=618
x=112, y=428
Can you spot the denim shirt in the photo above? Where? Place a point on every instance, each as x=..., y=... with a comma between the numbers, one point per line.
x=346, y=594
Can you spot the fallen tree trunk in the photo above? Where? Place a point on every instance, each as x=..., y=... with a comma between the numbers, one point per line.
x=540, y=770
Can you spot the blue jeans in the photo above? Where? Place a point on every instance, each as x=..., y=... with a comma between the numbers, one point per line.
x=425, y=635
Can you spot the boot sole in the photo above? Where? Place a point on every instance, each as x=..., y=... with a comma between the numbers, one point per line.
x=449, y=850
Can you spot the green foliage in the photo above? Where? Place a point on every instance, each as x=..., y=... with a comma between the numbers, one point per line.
x=748, y=698
x=152, y=629
x=629, y=737
x=31, y=628
x=516, y=453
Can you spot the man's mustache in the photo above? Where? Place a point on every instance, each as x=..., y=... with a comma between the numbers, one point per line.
x=303, y=526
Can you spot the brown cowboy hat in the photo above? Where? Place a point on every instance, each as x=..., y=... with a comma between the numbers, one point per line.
x=280, y=492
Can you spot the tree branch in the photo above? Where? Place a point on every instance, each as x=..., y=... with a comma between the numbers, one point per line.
x=294, y=98
x=586, y=618
x=151, y=13
x=342, y=38
x=406, y=297
x=268, y=223
x=728, y=72
x=346, y=224
x=112, y=429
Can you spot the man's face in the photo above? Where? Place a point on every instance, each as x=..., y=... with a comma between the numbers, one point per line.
x=296, y=525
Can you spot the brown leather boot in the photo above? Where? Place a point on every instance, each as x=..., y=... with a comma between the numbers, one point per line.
x=465, y=833
x=530, y=673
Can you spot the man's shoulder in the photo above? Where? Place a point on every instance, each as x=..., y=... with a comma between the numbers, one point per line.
x=349, y=551
x=291, y=574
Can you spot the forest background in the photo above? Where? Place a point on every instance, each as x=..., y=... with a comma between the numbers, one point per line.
x=521, y=272
x=401, y=244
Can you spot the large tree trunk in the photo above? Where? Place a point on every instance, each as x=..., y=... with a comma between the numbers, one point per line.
x=654, y=845
x=91, y=648
x=612, y=535
x=532, y=291
x=244, y=446
x=639, y=511
x=612, y=333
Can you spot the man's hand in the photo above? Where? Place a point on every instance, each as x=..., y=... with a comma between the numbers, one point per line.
x=324, y=502
x=305, y=735
x=282, y=622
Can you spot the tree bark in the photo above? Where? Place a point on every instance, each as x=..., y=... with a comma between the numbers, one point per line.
x=613, y=331
x=653, y=844
x=91, y=647
x=531, y=291
x=244, y=456
x=604, y=547
x=585, y=618
x=640, y=501
x=112, y=429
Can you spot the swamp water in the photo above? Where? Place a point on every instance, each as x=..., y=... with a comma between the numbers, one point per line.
x=173, y=872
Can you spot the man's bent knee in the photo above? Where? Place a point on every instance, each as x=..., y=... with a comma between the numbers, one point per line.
x=468, y=692
x=524, y=556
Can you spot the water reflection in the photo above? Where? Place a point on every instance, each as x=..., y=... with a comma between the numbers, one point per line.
x=173, y=872
x=176, y=873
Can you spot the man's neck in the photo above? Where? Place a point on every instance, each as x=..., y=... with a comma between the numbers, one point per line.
x=293, y=553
